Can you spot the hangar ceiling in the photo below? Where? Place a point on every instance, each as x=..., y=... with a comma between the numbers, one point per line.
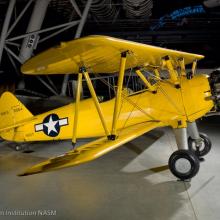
x=192, y=26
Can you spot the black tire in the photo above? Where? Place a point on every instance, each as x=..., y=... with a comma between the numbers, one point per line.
x=184, y=164
x=18, y=148
x=204, y=149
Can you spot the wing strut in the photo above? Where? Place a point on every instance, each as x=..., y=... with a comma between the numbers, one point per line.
x=118, y=95
x=156, y=72
x=182, y=66
x=146, y=82
x=76, y=115
x=194, y=64
x=95, y=99
x=172, y=71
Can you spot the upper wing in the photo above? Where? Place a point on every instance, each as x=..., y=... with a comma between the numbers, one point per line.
x=100, y=54
x=92, y=150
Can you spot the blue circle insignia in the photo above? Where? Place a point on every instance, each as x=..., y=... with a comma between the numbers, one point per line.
x=51, y=125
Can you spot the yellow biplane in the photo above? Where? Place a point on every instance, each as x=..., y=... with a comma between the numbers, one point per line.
x=177, y=100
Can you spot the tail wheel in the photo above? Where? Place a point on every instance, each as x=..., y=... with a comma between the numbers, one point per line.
x=202, y=147
x=184, y=164
x=18, y=148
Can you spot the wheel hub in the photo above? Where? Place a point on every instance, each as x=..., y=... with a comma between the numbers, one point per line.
x=198, y=145
x=183, y=165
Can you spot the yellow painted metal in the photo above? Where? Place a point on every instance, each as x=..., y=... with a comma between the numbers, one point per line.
x=76, y=115
x=182, y=66
x=92, y=150
x=195, y=102
x=194, y=64
x=95, y=99
x=198, y=85
x=118, y=93
x=139, y=112
x=168, y=105
x=143, y=78
x=157, y=73
x=173, y=73
x=69, y=57
x=12, y=111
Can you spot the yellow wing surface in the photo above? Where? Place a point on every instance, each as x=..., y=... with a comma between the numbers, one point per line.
x=100, y=54
x=93, y=149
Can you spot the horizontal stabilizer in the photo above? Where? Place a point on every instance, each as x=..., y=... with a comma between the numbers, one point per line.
x=93, y=149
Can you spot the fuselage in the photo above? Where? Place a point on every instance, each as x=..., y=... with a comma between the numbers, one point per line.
x=169, y=105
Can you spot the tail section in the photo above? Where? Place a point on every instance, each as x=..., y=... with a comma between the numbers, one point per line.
x=12, y=112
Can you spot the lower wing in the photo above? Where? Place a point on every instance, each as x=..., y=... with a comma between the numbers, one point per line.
x=93, y=149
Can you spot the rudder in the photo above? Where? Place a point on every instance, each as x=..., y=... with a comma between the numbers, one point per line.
x=12, y=111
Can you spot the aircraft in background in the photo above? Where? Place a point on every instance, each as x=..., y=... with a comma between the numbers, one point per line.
x=177, y=101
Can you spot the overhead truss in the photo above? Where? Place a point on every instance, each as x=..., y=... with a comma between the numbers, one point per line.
x=27, y=42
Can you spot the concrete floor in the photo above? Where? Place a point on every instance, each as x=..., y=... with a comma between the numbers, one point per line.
x=131, y=183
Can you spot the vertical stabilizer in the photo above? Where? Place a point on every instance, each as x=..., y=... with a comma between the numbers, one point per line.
x=12, y=111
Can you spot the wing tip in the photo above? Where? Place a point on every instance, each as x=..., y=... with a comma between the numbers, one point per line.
x=23, y=174
x=28, y=173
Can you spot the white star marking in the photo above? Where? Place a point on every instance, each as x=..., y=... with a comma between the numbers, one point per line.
x=51, y=125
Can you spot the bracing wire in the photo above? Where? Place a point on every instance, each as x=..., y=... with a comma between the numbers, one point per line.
x=124, y=96
x=165, y=93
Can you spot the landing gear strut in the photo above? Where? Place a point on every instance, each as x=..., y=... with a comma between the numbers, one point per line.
x=199, y=143
x=185, y=162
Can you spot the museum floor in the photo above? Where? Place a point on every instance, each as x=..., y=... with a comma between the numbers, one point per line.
x=130, y=183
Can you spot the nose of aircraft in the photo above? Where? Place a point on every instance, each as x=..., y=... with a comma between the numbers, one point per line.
x=214, y=81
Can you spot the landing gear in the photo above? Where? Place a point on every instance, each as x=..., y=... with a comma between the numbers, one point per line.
x=22, y=147
x=198, y=143
x=18, y=147
x=201, y=146
x=184, y=164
